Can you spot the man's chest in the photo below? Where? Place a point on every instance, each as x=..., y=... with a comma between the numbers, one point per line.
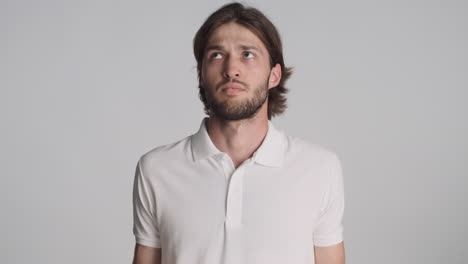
x=264, y=202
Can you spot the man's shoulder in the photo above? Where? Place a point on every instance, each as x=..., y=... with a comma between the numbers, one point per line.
x=170, y=152
x=309, y=149
x=310, y=156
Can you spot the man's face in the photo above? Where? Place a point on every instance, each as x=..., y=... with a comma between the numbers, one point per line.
x=236, y=73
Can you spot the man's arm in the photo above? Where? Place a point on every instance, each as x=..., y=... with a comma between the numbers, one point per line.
x=330, y=255
x=146, y=255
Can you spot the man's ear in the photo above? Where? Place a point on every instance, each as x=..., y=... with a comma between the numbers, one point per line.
x=275, y=76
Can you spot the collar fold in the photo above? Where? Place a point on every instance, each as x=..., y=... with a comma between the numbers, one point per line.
x=270, y=153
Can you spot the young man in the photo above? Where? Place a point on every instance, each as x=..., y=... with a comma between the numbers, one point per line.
x=239, y=190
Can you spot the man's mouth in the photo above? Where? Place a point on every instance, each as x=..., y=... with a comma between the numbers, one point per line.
x=232, y=89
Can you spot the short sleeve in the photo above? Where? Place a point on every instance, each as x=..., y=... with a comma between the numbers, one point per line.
x=329, y=228
x=145, y=226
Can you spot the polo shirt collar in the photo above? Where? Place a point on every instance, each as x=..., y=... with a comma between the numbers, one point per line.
x=270, y=153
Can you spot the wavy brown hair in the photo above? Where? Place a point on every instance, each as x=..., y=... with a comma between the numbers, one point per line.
x=261, y=26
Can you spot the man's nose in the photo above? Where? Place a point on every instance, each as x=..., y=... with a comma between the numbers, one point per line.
x=231, y=68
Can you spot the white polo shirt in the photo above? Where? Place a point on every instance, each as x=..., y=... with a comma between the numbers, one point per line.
x=189, y=200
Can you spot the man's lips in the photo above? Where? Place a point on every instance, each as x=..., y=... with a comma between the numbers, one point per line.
x=232, y=87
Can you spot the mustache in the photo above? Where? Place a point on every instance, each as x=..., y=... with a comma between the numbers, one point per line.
x=226, y=81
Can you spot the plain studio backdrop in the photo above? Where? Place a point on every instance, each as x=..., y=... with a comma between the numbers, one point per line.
x=89, y=86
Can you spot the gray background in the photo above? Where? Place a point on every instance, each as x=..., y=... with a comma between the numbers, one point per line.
x=89, y=86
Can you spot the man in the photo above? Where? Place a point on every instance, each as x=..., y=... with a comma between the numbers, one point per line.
x=239, y=190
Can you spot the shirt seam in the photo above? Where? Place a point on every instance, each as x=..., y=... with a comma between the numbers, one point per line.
x=157, y=208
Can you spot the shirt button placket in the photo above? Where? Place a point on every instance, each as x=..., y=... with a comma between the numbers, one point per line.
x=235, y=197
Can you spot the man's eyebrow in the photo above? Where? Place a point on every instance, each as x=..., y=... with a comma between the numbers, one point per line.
x=240, y=47
x=214, y=47
x=246, y=47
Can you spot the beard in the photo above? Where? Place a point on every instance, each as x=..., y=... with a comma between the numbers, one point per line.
x=237, y=110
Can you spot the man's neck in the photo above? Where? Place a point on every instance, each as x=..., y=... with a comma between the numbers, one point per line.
x=240, y=138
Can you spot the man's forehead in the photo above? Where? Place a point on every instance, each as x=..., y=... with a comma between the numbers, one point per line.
x=233, y=33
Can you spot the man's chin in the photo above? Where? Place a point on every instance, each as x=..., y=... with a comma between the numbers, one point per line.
x=233, y=115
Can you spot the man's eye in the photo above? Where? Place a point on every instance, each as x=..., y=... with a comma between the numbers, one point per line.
x=248, y=54
x=215, y=55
